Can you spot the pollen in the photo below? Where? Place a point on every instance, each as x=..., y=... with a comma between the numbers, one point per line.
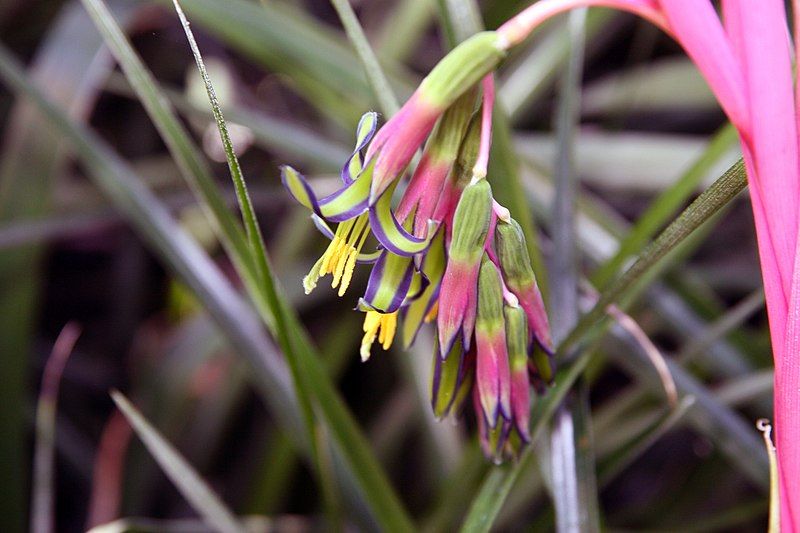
x=433, y=313
x=340, y=257
x=380, y=326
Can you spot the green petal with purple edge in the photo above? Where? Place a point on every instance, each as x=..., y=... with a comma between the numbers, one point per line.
x=433, y=265
x=390, y=233
x=326, y=230
x=389, y=283
x=299, y=188
x=366, y=129
x=346, y=203
x=444, y=380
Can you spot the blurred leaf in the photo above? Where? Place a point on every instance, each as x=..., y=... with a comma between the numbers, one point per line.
x=727, y=187
x=43, y=500
x=292, y=43
x=636, y=162
x=70, y=64
x=666, y=205
x=665, y=85
x=572, y=476
x=377, y=79
x=203, y=500
x=177, y=250
x=272, y=133
x=533, y=74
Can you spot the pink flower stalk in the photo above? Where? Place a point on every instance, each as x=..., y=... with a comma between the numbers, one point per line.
x=747, y=63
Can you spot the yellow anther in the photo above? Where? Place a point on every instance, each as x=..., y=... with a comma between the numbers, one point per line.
x=349, y=267
x=328, y=255
x=310, y=281
x=388, y=328
x=341, y=261
x=434, y=311
x=375, y=322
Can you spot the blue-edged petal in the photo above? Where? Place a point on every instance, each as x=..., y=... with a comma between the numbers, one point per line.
x=344, y=204
x=366, y=129
x=389, y=283
x=391, y=234
x=326, y=230
x=298, y=187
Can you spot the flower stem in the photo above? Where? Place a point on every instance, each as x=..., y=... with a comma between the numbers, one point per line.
x=479, y=170
x=519, y=27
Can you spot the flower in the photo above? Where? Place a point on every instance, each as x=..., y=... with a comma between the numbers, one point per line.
x=436, y=259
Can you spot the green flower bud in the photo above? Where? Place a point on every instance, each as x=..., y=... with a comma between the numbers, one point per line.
x=490, y=297
x=517, y=338
x=462, y=68
x=513, y=254
x=518, y=273
x=471, y=223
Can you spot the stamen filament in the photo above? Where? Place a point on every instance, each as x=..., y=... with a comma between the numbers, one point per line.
x=380, y=326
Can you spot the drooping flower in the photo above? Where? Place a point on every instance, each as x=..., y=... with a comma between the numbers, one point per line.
x=436, y=259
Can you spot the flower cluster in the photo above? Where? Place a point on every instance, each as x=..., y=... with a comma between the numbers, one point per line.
x=448, y=253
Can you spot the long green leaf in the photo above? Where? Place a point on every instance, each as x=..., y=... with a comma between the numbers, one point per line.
x=69, y=63
x=115, y=178
x=725, y=189
x=665, y=206
x=297, y=349
x=204, y=501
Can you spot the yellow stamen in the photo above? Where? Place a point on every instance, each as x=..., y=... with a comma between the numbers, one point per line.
x=340, y=256
x=433, y=313
x=349, y=267
x=310, y=281
x=380, y=325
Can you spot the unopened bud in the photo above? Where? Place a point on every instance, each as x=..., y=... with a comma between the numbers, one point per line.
x=490, y=297
x=517, y=342
x=515, y=262
x=493, y=374
x=471, y=223
x=513, y=254
x=462, y=68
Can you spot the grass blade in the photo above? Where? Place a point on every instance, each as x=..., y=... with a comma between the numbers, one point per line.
x=713, y=199
x=178, y=251
x=309, y=375
x=377, y=79
x=186, y=479
x=573, y=485
x=70, y=65
x=43, y=503
x=666, y=204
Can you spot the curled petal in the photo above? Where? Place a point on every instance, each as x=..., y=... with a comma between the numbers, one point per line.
x=298, y=187
x=344, y=204
x=391, y=234
x=366, y=129
x=389, y=283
